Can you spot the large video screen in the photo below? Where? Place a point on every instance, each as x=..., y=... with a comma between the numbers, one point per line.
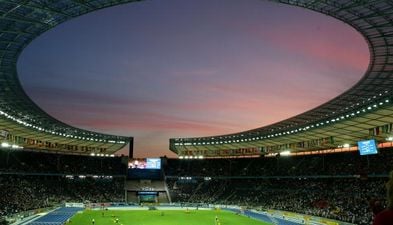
x=367, y=147
x=153, y=163
x=147, y=168
x=137, y=164
x=147, y=163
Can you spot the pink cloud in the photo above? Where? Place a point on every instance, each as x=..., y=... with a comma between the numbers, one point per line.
x=282, y=71
x=331, y=42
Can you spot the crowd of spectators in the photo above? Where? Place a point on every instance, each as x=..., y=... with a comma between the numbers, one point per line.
x=344, y=199
x=21, y=193
x=349, y=163
x=31, y=180
x=338, y=186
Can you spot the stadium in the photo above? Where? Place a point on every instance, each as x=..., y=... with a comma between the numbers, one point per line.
x=325, y=166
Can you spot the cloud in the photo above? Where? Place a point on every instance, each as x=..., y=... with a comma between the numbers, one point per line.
x=319, y=38
x=247, y=67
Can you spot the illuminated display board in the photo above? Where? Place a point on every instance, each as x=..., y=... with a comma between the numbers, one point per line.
x=367, y=147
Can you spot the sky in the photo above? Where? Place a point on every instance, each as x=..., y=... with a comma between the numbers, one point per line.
x=156, y=69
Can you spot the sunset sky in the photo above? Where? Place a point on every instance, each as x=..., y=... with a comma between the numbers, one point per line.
x=181, y=68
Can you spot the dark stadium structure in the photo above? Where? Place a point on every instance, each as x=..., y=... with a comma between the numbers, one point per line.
x=340, y=186
x=344, y=186
x=22, y=122
x=359, y=113
x=343, y=120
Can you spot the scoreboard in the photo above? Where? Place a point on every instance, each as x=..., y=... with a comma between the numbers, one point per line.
x=367, y=147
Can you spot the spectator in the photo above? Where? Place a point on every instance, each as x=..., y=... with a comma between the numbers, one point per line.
x=21, y=192
x=386, y=217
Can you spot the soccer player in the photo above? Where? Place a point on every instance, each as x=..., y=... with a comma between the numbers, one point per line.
x=93, y=221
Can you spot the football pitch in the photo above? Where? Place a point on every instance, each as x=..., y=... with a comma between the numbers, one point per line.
x=162, y=217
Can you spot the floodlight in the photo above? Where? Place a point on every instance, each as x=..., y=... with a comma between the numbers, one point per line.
x=5, y=145
x=285, y=153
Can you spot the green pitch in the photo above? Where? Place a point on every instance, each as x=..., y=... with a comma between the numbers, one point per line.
x=162, y=217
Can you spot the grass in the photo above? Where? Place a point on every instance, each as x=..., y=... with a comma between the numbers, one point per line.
x=162, y=217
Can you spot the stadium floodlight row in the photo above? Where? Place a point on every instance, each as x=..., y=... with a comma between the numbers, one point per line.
x=359, y=113
x=362, y=112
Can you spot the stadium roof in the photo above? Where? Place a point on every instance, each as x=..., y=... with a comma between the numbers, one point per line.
x=360, y=112
x=22, y=122
x=364, y=111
